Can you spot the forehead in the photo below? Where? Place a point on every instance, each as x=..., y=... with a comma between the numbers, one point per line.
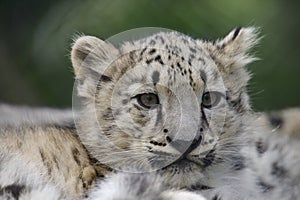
x=172, y=59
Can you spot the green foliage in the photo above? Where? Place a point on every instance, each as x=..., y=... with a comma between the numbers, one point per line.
x=35, y=67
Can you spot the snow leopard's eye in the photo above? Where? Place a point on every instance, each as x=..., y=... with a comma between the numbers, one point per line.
x=147, y=100
x=210, y=99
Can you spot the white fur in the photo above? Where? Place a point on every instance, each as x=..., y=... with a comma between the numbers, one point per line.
x=21, y=115
x=132, y=186
x=47, y=192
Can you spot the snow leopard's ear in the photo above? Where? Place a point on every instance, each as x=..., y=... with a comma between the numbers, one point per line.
x=90, y=56
x=233, y=50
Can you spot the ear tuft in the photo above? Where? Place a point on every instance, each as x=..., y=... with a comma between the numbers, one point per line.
x=236, y=32
x=91, y=53
x=233, y=50
x=239, y=41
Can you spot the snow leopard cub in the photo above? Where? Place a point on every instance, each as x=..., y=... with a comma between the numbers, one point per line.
x=179, y=106
x=166, y=111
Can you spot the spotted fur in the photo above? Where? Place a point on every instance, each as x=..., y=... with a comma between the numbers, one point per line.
x=200, y=139
x=179, y=70
x=209, y=151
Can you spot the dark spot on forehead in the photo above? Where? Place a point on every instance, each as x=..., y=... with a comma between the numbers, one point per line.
x=149, y=61
x=179, y=66
x=202, y=60
x=152, y=51
x=192, y=56
x=192, y=50
x=158, y=59
x=155, y=77
x=142, y=52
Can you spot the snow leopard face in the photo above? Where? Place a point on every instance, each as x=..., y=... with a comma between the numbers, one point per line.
x=166, y=102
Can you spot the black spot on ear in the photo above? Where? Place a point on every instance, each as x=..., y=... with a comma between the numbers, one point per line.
x=275, y=120
x=236, y=32
x=14, y=190
x=155, y=77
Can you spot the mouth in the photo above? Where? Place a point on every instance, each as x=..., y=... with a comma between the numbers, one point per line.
x=188, y=161
x=198, y=162
x=184, y=159
x=183, y=163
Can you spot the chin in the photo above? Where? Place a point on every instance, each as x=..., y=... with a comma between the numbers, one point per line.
x=182, y=174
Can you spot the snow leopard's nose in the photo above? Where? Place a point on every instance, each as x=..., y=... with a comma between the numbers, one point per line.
x=185, y=146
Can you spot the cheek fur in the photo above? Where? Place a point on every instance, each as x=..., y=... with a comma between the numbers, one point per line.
x=121, y=140
x=139, y=117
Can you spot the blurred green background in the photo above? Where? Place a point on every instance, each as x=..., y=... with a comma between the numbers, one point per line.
x=35, y=38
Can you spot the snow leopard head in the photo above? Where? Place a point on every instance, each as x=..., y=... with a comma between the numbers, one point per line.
x=166, y=102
